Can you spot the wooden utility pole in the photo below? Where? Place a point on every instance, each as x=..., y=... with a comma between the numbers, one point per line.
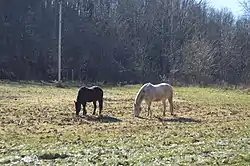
x=59, y=41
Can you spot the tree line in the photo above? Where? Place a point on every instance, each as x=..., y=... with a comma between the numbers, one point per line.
x=130, y=41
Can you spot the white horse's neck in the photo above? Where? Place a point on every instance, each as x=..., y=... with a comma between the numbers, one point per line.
x=140, y=96
x=139, y=99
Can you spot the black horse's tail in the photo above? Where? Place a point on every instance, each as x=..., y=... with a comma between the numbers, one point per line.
x=101, y=102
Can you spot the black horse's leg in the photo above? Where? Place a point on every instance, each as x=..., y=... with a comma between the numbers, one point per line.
x=84, y=108
x=94, y=102
x=100, y=106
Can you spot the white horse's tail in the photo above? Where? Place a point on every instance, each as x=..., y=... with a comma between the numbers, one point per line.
x=171, y=94
x=170, y=100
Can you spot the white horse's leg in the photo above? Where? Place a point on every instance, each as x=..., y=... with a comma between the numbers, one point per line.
x=150, y=111
x=164, y=107
x=149, y=105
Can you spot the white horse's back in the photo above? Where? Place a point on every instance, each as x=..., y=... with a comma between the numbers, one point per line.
x=158, y=92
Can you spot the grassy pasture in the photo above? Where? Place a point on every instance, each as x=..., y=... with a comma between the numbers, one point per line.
x=39, y=127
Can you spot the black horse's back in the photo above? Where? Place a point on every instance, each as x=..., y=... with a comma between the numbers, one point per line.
x=88, y=94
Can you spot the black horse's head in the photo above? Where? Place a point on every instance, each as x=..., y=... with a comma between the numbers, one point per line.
x=77, y=107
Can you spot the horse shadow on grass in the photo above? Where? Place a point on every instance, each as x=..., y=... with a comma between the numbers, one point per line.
x=101, y=119
x=174, y=119
x=179, y=120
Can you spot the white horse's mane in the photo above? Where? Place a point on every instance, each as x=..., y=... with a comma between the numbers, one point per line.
x=140, y=93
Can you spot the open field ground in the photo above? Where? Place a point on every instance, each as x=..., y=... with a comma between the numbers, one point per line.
x=38, y=126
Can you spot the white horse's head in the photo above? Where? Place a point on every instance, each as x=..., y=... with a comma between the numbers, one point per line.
x=137, y=110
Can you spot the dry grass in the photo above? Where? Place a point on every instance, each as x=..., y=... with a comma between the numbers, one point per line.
x=38, y=126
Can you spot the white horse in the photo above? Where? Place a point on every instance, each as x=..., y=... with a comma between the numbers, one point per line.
x=152, y=93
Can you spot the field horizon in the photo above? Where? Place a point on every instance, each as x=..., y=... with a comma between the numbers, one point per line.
x=39, y=126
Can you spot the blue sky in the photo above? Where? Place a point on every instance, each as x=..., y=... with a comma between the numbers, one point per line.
x=233, y=5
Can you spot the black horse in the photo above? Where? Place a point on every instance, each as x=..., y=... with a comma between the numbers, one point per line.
x=89, y=94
